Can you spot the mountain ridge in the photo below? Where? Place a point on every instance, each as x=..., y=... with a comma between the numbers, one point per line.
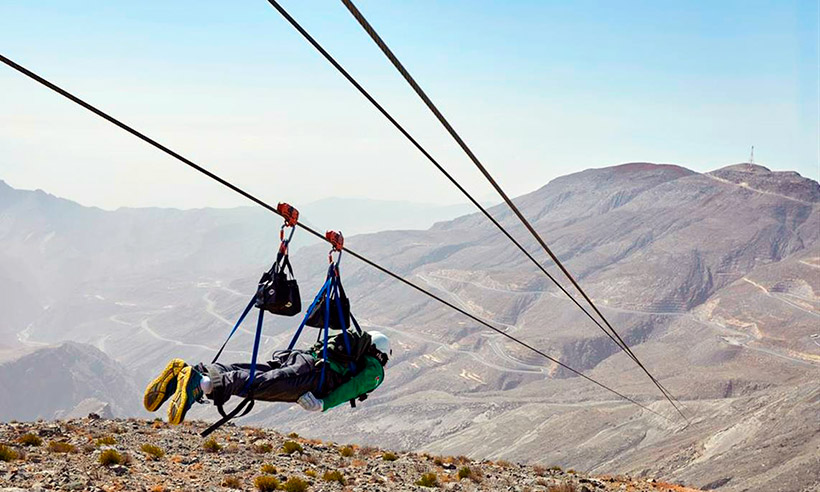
x=710, y=282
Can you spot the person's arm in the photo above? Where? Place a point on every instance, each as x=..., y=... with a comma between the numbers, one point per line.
x=368, y=379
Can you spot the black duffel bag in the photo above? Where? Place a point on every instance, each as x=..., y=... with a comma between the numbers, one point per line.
x=278, y=293
x=316, y=317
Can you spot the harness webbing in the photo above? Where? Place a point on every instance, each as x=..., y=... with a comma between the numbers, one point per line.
x=255, y=354
x=324, y=341
x=309, y=310
x=235, y=327
x=246, y=405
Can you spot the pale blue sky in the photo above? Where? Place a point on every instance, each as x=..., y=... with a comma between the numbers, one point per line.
x=538, y=88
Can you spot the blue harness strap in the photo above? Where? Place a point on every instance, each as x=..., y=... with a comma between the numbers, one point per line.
x=246, y=405
x=235, y=327
x=346, y=339
x=256, y=341
x=307, y=313
x=356, y=324
x=326, y=330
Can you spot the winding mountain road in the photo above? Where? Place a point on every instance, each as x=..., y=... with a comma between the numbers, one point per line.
x=744, y=339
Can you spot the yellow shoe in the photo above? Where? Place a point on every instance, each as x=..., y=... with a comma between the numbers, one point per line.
x=161, y=388
x=188, y=391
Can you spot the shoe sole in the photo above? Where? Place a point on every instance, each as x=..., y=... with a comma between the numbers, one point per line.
x=176, y=409
x=158, y=390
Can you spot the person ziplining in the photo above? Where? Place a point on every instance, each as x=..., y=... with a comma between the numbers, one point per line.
x=170, y=384
x=342, y=368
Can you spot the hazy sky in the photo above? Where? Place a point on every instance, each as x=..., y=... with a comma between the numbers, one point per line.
x=538, y=88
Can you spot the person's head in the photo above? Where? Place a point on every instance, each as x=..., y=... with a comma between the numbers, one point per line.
x=381, y=343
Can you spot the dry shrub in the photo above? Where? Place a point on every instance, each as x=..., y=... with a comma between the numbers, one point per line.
x=268, y=469
x=503, y=463
x=389, y=456
x=232, y=482
x=564, y=487
x=311, y=473
x=294, y=484
x=111, y=457
x=347, y=451
x=61, y=447
x=8, y=454
x=153, y=452
x=428, y=480
x=290, y=447
x=358, y=463
x=211, y=446
x=30, y=440
x=266, y=483
x=106, y=441
x=263, y=448
x=334, y=476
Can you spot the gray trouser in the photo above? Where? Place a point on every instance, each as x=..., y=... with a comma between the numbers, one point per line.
x=286, y=377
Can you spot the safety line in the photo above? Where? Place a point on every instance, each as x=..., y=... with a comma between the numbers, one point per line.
x=368, y=28
x=415, y=143
x=310, y=230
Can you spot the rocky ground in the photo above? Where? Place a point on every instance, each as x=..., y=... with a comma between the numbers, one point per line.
x=97, y=454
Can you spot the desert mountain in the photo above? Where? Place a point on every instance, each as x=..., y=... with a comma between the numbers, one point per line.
x=711, y=278
x=65, y=380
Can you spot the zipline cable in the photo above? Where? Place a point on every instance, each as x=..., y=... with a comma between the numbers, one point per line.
x=421, y=149
x=368, y=28
x=310, y=230
x=416, y=144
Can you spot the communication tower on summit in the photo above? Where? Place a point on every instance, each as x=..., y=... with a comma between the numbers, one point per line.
x=752, y=157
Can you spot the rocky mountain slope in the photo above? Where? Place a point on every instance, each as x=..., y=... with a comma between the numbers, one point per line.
x=711, y=278
x=104, y=455
x=70, y=379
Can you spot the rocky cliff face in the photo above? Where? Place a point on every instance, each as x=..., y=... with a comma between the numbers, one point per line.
x=100, y=455
x=65, y=380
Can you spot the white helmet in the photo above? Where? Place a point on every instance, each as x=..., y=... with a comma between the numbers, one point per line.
x=381, y=342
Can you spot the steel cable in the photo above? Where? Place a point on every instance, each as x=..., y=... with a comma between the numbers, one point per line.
x=416, y=144
x=614, y=336
x=310, y=230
